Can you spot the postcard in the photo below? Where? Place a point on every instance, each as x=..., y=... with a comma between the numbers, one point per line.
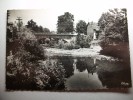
x=67, y=50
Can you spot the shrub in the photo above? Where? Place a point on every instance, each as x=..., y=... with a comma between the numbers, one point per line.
x=60, y=44
x=50, y=75
x=120, y=50
x=47, y=40
x=24, y=70
x=83, y=41
x=22, y=61
x=35, y=49
x=68, y=46
x=19, y=71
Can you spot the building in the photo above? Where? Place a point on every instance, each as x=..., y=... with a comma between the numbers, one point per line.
x=93, y=30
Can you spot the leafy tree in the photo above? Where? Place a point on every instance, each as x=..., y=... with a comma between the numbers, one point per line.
x=36, y=28
x=31, y=24
x=46, y=30
x=81, y=27
x=114, y=25
x=65, y=23
x=40, y=29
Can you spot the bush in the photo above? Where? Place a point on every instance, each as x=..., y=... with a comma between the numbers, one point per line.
x=120, y=50
x=47, y=40
x=24, y=71
x=60, y=44
x=20, y=71
x=68, y=46
x=21, y=62
x=50, y=75
x=83, y=41
x=35, y=49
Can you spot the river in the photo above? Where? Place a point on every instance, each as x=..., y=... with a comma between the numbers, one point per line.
x=86, y=69
x=85, y=73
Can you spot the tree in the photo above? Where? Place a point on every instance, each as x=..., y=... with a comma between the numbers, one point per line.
x=114, y=24
x=81, y=27
x=46, y=30
x=31, y=24
x=65, y=23
x=40, y=29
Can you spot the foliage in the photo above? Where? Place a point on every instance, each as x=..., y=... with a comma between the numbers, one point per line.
x=61, y=44
x=11, y=32
x=81, y=27
x=21, y=72
x=27, y=67
x=67, y=62
x=65, y=23
x=20, y=63
x=46, y=30
x=114, y=25
x=34, y=27
x=120, y=50
x=114, y=37
x=68, y=46
x=35, y=49
x=83, y=40
x=31, y=24
x=50, y=75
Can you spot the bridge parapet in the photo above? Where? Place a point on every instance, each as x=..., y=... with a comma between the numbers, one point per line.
x=59, y=36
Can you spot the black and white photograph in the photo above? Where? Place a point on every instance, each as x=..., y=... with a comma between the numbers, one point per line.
x=61, y=50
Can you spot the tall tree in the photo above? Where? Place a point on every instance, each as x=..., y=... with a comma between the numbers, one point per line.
x=65, y=23
x=114, y=24
x=46, y=30
x=81, y=27
x=40, y=29
x=31, y=24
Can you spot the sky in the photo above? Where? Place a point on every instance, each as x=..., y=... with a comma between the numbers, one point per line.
x=88, y=10
x=48, y=17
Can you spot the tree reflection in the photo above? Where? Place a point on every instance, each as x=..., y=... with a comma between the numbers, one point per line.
x=113, y=74
x=67, y=63
x=81, y=64
x=86, y=63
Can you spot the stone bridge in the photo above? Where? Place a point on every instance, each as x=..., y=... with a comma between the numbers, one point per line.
x=55, y=36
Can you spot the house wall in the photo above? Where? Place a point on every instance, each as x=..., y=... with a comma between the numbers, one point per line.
x=91, y=27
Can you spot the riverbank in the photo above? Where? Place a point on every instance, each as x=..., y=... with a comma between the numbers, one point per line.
x=82, y=52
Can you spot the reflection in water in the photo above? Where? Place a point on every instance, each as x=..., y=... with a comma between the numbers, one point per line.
x=113, y=73
x=83, y=78
x=87, y=73
x=67, y=63
x=81, y=81
x=115, y=79
x=81, y=65
x=84, y=63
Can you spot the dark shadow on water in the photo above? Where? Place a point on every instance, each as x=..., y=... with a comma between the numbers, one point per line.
x=81, y=65
x=67, y=63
